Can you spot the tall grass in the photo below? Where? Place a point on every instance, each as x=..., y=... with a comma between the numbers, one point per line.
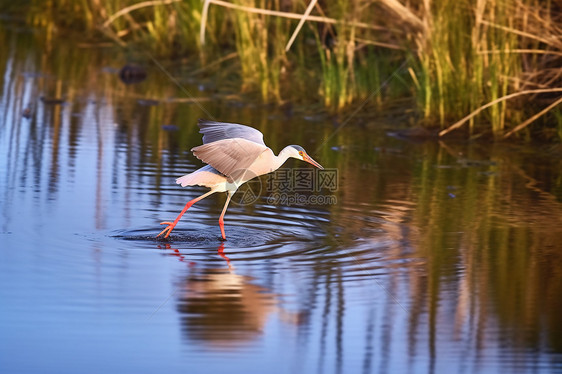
x=462, y=54
x=457, y=75
x=259, y=41
x=337, y=71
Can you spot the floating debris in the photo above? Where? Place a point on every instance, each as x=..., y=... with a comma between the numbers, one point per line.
x=170, y=128
x=131, y=74
x=52, y=100
x=110, y=70
x=340, y=148
x=470, y=162
x=416, y=133
x=26, y=113
x=147, y=102
x=315, y=117
x=32, y=74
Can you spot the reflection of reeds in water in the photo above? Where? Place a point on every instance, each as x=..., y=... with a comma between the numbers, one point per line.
x=480, y=228
x=57, y=96
x=489, y=239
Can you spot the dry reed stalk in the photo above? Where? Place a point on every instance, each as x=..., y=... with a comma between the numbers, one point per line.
x=533, y=118
x=214, y=63
x=380, y=44
x=301, y=22
x=277, y=13
x=522, y=33
x=404, y=13
x=522, y=51
x=129, y=9
x=111, y=35
x=458, y=124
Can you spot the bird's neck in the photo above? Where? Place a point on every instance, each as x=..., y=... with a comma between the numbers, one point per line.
x=280, y=158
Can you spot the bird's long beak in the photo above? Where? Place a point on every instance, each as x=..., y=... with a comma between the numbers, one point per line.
x=309, y=159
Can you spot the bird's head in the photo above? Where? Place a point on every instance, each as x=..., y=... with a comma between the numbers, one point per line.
x=298, y=152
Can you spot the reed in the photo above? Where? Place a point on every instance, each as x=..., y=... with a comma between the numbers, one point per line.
x=511, y=48
x=260, y=47
x=462, y=54
x=351, y=68
x=337, y=66
x=166, y=27
x=455, y=76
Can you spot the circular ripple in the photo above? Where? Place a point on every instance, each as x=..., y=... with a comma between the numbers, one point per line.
x=238, y=235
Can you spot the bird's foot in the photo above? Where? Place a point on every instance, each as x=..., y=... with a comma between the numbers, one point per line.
x=168, y=229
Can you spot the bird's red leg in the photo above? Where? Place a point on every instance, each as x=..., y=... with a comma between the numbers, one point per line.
x=171, y=225
x=221, y=253
x=221, y=218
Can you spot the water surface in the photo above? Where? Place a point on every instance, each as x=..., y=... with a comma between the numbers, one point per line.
x=426, y=256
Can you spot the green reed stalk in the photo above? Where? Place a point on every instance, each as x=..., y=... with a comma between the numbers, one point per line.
x=338, y=87
x=462, y=63
x=260, y=50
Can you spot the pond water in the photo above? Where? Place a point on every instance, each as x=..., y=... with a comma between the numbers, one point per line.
x=407, y=256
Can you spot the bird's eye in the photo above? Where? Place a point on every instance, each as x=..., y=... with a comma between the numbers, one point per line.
x=300, y=153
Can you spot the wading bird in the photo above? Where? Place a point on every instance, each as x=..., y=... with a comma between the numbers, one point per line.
x=234, y=154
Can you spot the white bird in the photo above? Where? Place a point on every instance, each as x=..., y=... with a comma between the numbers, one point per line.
x=234, y=154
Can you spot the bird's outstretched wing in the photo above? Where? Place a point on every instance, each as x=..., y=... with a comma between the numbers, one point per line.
x=231, y=157
x=214, y=131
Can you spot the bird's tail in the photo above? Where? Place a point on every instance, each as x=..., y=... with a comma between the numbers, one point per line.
x=206, y=176
x=186, y=180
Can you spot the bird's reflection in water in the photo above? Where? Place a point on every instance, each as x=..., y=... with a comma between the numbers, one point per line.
x=175, y=252
x=223, y=309
x=220, y=251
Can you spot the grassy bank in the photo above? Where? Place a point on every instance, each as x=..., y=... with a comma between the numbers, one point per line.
x=451, y=56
